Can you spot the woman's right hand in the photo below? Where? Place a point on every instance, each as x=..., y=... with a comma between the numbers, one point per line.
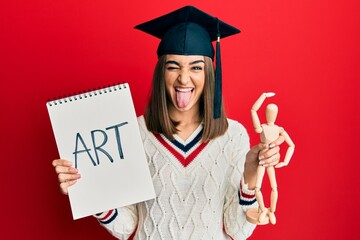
x=67, y=175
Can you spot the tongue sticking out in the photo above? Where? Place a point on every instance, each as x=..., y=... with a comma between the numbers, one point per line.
x=183, y=98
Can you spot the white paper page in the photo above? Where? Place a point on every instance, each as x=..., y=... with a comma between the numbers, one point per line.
x=103, y=127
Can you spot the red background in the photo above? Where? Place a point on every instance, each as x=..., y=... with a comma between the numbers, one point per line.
x=307, y=52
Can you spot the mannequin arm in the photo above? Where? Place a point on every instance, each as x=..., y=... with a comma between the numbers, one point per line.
x=289, y=151
x=256, y=121
x=255, y=107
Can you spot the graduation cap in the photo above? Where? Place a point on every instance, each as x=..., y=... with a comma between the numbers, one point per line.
x=190, y=31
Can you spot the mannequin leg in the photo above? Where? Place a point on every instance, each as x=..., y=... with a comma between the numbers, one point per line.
x=258, y=194
x=274, y=194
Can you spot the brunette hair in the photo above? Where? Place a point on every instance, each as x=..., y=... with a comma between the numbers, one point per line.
x=157, y=116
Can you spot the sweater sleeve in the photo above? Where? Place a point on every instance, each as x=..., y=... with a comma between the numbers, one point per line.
x=238, y=197
x=120, y=222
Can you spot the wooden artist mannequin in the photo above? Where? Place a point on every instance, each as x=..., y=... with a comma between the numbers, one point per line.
x=269, y=132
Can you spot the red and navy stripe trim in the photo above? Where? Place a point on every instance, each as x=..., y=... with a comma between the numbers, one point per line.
x=109, y=216
x=187, y=147
x=182, y=158
x=246, y=202
x=246, y=199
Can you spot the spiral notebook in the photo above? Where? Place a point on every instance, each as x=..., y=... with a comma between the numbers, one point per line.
x=98, y=131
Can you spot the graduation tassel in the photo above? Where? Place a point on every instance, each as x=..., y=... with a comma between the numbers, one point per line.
x=218, y=78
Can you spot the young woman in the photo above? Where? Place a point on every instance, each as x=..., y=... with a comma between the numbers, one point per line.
x=203, y=169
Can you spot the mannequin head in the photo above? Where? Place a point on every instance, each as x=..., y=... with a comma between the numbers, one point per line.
x=271, y=113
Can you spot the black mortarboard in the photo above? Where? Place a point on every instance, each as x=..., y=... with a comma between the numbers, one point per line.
x=190, y=31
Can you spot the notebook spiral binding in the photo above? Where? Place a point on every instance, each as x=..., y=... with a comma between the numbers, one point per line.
x=86, y=94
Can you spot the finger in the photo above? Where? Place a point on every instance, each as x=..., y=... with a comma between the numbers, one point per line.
x=64, y=169
x=271, y=151
x=264, y=150
x=258, y=148
x=63, y=177
x=62, y=162
x=65, y=185
x=277, y=142
x=254, y=155
x=271, y=161
x=268, y=152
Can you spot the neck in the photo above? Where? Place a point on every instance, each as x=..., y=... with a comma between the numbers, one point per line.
x=188, y=117
x=188, y=121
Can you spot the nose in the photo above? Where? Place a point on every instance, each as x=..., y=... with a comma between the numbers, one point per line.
x=184, y=77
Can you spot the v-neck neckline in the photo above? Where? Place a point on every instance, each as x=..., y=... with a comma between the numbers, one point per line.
x=185, y=151
x=193, y=139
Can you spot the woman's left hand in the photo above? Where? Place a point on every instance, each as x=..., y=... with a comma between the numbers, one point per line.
x=261, y=154
x=265, y=154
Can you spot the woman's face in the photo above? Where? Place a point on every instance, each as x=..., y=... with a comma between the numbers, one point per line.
x=184, y=79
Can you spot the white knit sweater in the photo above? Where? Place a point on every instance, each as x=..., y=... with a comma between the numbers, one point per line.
x=197, y=187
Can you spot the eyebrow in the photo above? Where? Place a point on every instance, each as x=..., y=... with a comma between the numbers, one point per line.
x=178, y=64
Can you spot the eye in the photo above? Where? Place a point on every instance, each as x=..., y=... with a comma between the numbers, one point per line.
x=197, y=68
x=172, y=68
